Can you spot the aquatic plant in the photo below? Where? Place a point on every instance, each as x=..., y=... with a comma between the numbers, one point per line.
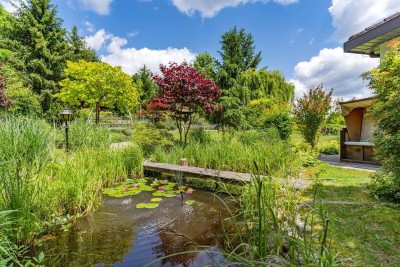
x=25, y=149
x=147, y=205
x=272, y=228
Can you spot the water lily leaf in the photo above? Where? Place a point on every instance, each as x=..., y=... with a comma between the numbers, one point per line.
x=190, y=202
x=156, y=199
x=160, y=193
x=147, y=205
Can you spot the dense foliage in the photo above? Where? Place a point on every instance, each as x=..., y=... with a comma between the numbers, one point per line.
x=186, y=93
x=35, y=47
x=311, y=111
x=384, y=80
x=96, y=84
x=4, y=101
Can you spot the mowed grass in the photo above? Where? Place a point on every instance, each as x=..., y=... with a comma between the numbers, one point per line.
x=366, y=235
x=340, y=190
x=363, y=235
x=325, y=170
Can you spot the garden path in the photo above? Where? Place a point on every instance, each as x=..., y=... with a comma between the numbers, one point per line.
x=334, y=161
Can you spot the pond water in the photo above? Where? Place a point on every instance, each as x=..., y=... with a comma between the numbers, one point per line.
x=119, y=234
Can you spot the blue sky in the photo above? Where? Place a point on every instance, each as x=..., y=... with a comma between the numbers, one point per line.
x=301, y=38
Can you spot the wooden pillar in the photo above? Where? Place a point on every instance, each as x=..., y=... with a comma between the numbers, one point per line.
x=342, y=145
x=184, y=162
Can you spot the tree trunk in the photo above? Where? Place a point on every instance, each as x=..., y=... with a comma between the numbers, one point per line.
x=187, y=130
x=97, y=113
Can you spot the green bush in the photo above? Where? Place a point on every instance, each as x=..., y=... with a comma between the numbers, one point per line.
x=200, y=135
x=279, y=117
x=149, y=138
x=332, y=148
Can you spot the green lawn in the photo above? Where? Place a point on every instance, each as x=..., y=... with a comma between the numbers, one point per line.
x=366, y=235
x=325, y=170
x=363, y=235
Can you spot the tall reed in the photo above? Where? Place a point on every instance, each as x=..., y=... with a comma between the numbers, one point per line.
x=25, y=149
x=272, y=229
x=274, y=156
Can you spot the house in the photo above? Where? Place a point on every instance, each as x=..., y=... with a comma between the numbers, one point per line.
x=355, y=139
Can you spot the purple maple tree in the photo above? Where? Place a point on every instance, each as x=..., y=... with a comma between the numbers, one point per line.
x=185, y=92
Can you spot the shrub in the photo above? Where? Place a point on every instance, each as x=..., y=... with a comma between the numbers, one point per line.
x=385, y=82
x=200, y=135
x=279, y=117
x=332, y=148
x=149, y=138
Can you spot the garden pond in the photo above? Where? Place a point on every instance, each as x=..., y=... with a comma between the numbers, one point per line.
x=141, y=222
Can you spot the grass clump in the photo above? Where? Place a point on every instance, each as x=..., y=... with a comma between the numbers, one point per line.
x=272, y=228
x=274, y=155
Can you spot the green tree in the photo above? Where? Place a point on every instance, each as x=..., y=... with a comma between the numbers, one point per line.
x=385, y=83
x=258, y=84
x=96, y=84
x=238, y=55
x=146, y=86
x=205, y=65
x=38, y=40
x=311, y=111
x=77, y=48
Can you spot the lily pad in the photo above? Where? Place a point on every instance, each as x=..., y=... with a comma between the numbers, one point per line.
x=161, y=193
x=190, y=202
x=147, y=205
x=156, y=199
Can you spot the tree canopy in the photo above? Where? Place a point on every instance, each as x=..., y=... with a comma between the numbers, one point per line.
x=96, y=84
x=185, y=92
x=311, y=111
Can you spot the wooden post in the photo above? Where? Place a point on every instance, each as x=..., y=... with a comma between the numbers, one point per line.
x=184, y=162
x=342, y=145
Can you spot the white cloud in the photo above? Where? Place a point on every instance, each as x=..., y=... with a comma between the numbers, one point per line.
x=210, y=8
x=132, y=59
x=311, y=41
x=8, y=5
x=90, y=27
x=97, y=40
x=352, y=16
x=133, y=34
x=101, y=7
x=335, y=69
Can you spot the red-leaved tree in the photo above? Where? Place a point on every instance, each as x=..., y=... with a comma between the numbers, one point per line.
x=185, y=92
x=4, y=101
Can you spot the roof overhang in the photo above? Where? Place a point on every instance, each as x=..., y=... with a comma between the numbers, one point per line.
x=369, y=40
x=348, y=106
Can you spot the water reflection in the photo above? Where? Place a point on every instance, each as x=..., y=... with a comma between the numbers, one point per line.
x=118, y=234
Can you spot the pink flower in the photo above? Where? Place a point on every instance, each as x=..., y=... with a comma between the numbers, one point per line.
x=161, y=188
x=165, y=181
x=189, y=191
x=134, y=185
x=126, y=190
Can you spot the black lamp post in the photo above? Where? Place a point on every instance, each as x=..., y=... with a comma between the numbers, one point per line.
x=66, y=116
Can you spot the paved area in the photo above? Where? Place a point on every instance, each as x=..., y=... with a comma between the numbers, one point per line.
x=334, y=161
x=212, y=173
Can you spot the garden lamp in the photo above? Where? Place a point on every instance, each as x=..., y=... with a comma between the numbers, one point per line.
x=66, y=116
